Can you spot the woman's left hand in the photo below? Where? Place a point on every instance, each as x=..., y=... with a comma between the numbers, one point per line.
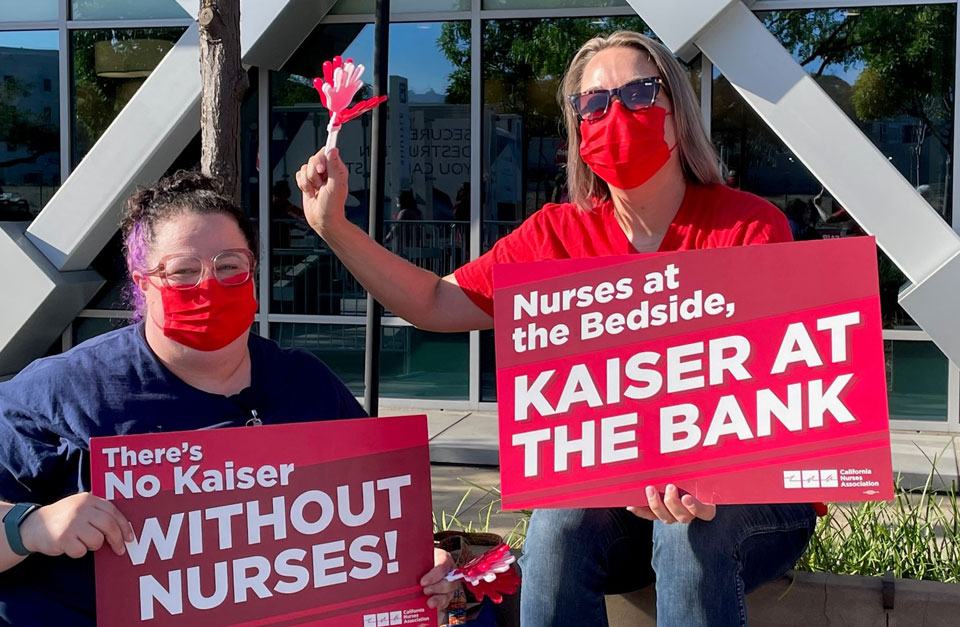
x=434, y=585
x=673, y=507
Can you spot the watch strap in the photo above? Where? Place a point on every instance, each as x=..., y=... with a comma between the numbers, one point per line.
x=11, y=525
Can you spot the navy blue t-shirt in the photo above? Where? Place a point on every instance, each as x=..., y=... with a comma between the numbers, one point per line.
x=114, y=385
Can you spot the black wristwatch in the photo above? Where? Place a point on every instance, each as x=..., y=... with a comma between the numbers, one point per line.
x=11, y=524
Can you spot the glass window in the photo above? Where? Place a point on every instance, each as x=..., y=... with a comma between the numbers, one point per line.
x=524, y=147
x=428, y=148
x=29, y=122
x=87, y=328
x=366, y=7
x=413, y=363
x=306, y=278
x=109, y=65
x=550, y=4
x=891, y=70
x=32, y=11
x=917, y=374
x=426, y=209
x=126, y=9
x=111, y=265
x=249, y=149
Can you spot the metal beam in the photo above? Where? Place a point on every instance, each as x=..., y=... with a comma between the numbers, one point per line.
x=141, y=143
x=154, y=128
x=42, y=300
x=812, y=126
x=378, y=165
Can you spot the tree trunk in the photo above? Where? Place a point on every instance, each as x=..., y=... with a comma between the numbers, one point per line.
x=223, y=81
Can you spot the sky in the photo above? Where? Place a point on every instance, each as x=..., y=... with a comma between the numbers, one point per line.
x=414, y=55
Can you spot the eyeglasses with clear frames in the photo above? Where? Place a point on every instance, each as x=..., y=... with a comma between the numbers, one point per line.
x=231, y=268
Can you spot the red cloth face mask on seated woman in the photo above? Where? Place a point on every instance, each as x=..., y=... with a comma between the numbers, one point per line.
x=625, y=148
x=209, y=316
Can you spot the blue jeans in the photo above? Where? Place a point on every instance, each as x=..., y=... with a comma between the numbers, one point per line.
x=703, y=570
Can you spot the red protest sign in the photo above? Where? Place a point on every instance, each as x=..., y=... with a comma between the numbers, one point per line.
x=742, y=375
x=324, y=523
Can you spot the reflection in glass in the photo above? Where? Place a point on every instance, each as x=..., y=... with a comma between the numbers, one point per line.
x=306, y=278
x=413, y=363
x=109, y=65
x=524, y=148
x=86, y=328
x=891, y=70
x=126, y=9
x=367, y=7
x=917, y=375
x=428, y=147
x=32, y=11
x=550, y=4
x=111, y=265
x=29, y=122
x=249, y=149
x=427, y=210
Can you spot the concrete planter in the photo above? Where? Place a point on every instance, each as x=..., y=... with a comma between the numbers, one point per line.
x=801, y=599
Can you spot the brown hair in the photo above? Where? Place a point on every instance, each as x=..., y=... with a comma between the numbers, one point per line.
x=697, y=155
x=186, y=191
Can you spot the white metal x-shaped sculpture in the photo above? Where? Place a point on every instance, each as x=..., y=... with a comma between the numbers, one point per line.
x=45, y=264
x=51, y=285
x=830, y=145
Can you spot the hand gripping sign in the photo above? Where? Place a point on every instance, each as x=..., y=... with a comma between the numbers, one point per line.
x=340, y=83
x=324, y=523
x=752, y=374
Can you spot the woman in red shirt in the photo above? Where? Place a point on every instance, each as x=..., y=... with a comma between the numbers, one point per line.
x=643, y=176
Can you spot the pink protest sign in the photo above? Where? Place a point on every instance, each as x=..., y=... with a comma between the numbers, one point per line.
x=742, y=375
x=324, y=524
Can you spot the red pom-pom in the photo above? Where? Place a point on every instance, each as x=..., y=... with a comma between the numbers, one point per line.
x=505, y=583
x=489, y=561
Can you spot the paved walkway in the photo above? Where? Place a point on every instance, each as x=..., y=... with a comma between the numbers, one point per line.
x=464, y=450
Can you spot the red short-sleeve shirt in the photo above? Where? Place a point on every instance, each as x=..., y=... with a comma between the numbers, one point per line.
x=710, y=216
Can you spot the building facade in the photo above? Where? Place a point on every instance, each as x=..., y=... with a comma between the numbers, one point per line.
x=475, y=145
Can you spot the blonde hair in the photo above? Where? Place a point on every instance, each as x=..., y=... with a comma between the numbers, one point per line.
x=697, y=156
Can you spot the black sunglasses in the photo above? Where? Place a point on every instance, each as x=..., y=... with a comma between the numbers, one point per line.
x=635, y=95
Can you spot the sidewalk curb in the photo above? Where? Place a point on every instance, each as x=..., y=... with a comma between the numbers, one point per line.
x=802, y=599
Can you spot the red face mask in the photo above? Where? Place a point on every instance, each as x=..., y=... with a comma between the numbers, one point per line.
x=208, y=316
x=625, y=148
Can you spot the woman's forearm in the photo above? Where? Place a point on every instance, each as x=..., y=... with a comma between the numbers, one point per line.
x=8, y=559
x=415, y=294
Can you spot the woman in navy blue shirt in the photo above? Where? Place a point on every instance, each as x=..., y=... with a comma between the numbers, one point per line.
x=190, y=362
